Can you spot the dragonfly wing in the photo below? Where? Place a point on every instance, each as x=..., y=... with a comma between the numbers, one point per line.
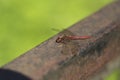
x=74, y=48
x=70, y=48
x=66, y=49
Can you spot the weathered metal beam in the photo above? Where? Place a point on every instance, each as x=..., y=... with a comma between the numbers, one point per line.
x=46, y=62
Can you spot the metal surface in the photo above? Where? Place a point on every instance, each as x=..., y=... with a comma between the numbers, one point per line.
x=45, y=61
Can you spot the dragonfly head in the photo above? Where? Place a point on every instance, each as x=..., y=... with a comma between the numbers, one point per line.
x=60, y=39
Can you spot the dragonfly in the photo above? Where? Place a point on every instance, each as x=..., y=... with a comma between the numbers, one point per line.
x=69, y=43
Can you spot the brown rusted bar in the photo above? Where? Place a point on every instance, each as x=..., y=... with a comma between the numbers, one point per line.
x=46, y=62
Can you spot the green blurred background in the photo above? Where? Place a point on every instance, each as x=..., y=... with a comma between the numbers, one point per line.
x=26, y=23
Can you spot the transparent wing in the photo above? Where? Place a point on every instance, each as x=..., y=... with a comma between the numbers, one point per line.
x=71, y=48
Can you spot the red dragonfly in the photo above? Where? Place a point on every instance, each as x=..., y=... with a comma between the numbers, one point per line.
x=68, y=39
x=64, y=37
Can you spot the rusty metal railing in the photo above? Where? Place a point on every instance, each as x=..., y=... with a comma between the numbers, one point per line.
x=46, y=62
